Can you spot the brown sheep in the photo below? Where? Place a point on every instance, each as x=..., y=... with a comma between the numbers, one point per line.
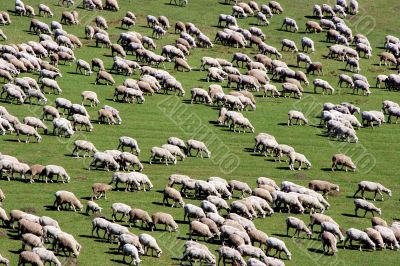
x=315, y=66
x=324, y=186
x=100, y=189
x=179, y=62
x=36, y=169
x=141, y=215
x=344, y=161
x=378, y=221
x=171, y=193
x=312, y=26
x=104, y=75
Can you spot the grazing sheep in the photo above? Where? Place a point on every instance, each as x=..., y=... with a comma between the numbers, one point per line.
x=345, y=161
x=227, y=253
x=376, y=237
x=99, y=190
x=298, y=225
x=132, y=251
x=318, y=218
x=46, y=255
x=125, y=141
x=139, y=214
x=324, y=186
x=372, y=187
x=367, y=206
x=29, y=257
x=199, y=146
x=66, y=197
x=291, y=45
x=171, y=193
x=149, y=242
x=103, y=75
x=195, y=252
x=358, y=235
x=240, y=186
x=54, y=170
x=93, y=206
x=67, y=241
x=292, y=114
x=162, y=154
x=332, y=228
x=329, y=242
x=300, y=158
x=193, y=211
x=291, y=23
x=279, y=245
x=388, y=236
x=22, y=129
x=164, y=218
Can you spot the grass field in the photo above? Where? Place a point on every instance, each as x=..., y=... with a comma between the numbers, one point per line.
x=162, y=116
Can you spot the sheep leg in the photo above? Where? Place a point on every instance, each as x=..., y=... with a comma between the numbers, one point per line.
x=366, y=213
x=358, y=190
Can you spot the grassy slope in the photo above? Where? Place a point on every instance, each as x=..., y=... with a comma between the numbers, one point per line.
x=151, y=127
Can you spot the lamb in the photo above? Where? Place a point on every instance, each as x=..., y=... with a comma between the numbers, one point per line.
x=291, y=45
x=46, y=255
x=291, y=23
x=345, y=161
x=171, y=193
x=324, y=186
x=150, y=242
x=298, y=225
x=31, y=240
x=29, y=257
x=367, y=206
x=279, y=245
x=372, y=187
x=66, y=197
x=358, y=235
x=193, y=211
x=120, y=208
x=227, y=253
x=199, y=146
x=292, y=114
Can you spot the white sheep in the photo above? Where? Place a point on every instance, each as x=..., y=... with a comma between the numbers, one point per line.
x=227, y=253
x=372, y=187
x=84, y=145
x=193, y=211
x=46, y=255
x=291, y=23
x=292, y=114
x=279, y=245
x=300, y=158
x=388, y=236
x=291, y=45
x=298, y=225
x=358, y=235
x=199, y=146
x=132, y=251
x=367, y=206
x=332, y=228
x=149, y=242
x=104, y=159
x=22, y=129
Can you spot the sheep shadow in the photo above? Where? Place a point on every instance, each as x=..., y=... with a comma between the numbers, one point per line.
x=117, y=261
x=284, y=168
x=13, y=140
x=89, y=236
x=351, y=215
x=282, y=124
x=326, y=169
x=159, y=204
x=113, y=252
x=50, y=208
x=318, y=251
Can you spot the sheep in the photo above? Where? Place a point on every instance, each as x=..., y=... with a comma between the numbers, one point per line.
x=332, y=228
x=324, y=186
x=103, y=75
x=279, y=245
x=132, y=251
x=174, y=194
x=378, y=221
x=104, y=159
x=328, y=242
x=289, y=200
x=367, y=206
x=240, y=57
x=393, y=111
x=292, y=114
x=358, y=235
x=163, y=218
x=240, y=186
x=364, y=86
x=99, y=223
x=387, y=58
x=50, y=83
x=113, y=5
x=149, y=242
x=67, y=241
x=100, y=189
x=199, y=146
x=200, y=93
x=227, y=253
x=93, y=206
x=375, y=236
x=298, y=225
x=291, y=23
x=85, y=146
x=46, y=255
x=54, y=170
x=3, y=217
x=200, y=253
x=47, y=221
x=372, y=116
x=345, y=161
x=372, y=187
x=162, y=154
x=22, y=129
x=326, y=87
x=312, y=26
x=26, y=226
x=193, y=211
x=120, y=208
x=138, y=214
x=292, y=89
x=200, y=229
x=29, y=257
x=66, y=197
x=46, y=10
x=291, y=45
x=31, y=240
x=298, y=157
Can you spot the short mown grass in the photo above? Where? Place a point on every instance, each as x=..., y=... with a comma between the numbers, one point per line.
x=162, y=116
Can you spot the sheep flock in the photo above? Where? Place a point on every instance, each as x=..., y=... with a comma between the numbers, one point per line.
x=233, y=132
